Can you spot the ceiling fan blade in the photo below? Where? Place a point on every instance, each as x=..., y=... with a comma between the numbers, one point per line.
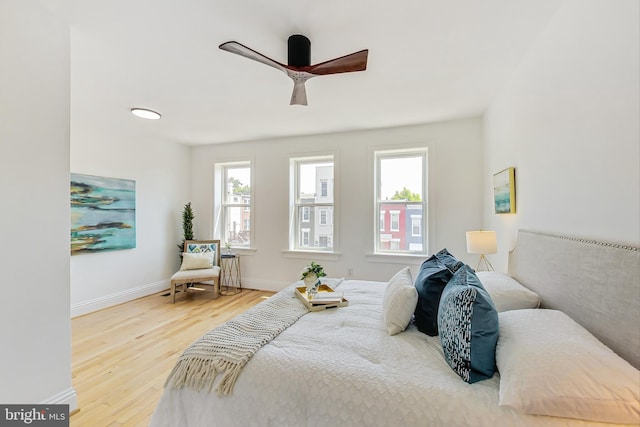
x=242, y=50
x=345, y=64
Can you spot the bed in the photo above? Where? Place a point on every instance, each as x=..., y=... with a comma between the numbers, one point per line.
x=341, y=367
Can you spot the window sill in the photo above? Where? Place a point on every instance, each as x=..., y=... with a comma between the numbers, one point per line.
x=299, y=254
x=244, y=251
x=396, y=258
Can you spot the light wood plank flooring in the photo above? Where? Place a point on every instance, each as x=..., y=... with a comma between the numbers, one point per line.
x=122, y=355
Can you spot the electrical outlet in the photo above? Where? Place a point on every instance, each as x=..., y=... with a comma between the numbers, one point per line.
x=350, y=271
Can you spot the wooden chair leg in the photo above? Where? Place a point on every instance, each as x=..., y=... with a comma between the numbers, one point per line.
x=216, y=287
x=173, y=292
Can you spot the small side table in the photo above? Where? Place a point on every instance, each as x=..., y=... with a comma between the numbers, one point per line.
x=230, y=283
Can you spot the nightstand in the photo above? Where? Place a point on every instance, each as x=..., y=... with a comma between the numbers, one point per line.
x=230, y=283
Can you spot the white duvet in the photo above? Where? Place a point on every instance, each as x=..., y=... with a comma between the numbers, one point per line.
x=339, y=367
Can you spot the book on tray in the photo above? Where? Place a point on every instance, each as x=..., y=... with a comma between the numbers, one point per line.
x=327, y=298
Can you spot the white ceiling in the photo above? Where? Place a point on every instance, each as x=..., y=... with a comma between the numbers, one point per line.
x=429, y=60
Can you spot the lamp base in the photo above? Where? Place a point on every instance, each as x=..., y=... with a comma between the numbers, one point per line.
x=487, y=264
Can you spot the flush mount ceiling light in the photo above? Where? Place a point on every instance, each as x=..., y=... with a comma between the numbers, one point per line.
x=145, y=113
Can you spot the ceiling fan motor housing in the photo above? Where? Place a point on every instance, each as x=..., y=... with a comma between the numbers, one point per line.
x=299, y=51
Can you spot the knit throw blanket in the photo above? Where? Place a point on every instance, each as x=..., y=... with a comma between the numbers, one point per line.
x=226, y=349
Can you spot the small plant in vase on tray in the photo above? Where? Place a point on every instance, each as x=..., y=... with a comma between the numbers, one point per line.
x=311, y=277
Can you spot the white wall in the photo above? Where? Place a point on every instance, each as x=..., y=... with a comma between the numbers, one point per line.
x=35, y=330
x=568, y=121
x=161, y=172
x=455, y=162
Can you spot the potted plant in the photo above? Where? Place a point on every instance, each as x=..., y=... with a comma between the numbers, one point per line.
x=187, y=226
x=311, y=277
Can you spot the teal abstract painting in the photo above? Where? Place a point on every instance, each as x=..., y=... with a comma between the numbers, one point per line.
x=504, y=191
x=103, y=214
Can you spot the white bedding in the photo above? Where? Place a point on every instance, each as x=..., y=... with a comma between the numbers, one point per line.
x=340, y=367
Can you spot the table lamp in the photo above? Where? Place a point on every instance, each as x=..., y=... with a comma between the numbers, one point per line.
x=482, y=242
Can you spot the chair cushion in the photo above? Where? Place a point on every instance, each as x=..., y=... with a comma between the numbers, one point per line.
x=196, y=261
x=202, y=273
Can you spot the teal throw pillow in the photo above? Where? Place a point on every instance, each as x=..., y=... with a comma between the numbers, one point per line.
x=468, y=327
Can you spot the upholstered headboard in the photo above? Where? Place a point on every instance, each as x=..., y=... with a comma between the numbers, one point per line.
x=596, y=283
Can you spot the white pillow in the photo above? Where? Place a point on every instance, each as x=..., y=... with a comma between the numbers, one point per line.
x=196, y=261
x=506, y=292
x=399, y=301
x=550, y=365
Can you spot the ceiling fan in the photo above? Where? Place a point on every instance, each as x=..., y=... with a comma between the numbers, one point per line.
x=299, y=67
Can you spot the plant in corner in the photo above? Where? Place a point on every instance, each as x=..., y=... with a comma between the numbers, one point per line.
x=187, y=226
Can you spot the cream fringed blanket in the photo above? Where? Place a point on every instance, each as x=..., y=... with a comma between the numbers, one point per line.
x=226, y=349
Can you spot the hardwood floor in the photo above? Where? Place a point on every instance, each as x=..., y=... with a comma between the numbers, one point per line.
x=122, y=355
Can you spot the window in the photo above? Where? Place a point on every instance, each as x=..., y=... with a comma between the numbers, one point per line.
x=395, y=220
x=234, y=199
x=323, y=188
x=416, y=225
x=323, y=217
x=312, y=189
x=401, y=197
x=304, y=238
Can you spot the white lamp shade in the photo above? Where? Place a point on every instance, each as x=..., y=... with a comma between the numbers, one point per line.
x=482, y=242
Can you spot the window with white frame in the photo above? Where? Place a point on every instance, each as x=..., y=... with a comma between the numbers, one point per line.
x=395, y=220
x=324, y=187
x=235, y=203
x=323, y=217
x=401, y=198
x=312, y=190
x=304, y=237
x=416, y=225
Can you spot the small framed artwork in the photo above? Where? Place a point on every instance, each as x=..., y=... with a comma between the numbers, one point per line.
x=504, y=191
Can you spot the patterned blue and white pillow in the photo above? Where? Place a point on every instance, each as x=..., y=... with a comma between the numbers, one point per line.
x=208, y=248
x=468, y=327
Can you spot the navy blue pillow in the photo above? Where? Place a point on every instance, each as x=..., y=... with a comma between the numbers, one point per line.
x=468, y=325
x=445, y=257
x=430, y=282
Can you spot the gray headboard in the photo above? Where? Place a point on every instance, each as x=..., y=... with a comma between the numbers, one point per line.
x=596, y=283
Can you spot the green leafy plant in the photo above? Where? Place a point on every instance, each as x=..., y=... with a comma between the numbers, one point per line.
x=187, y=225
x=406, y=194
x=313, y=268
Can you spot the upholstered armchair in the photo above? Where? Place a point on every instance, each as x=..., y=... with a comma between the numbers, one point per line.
x=200, y=264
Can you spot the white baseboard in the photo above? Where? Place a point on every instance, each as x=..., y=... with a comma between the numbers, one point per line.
x=118, y=298
x=65, y=397
x=99, y=303
x=264, y=285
